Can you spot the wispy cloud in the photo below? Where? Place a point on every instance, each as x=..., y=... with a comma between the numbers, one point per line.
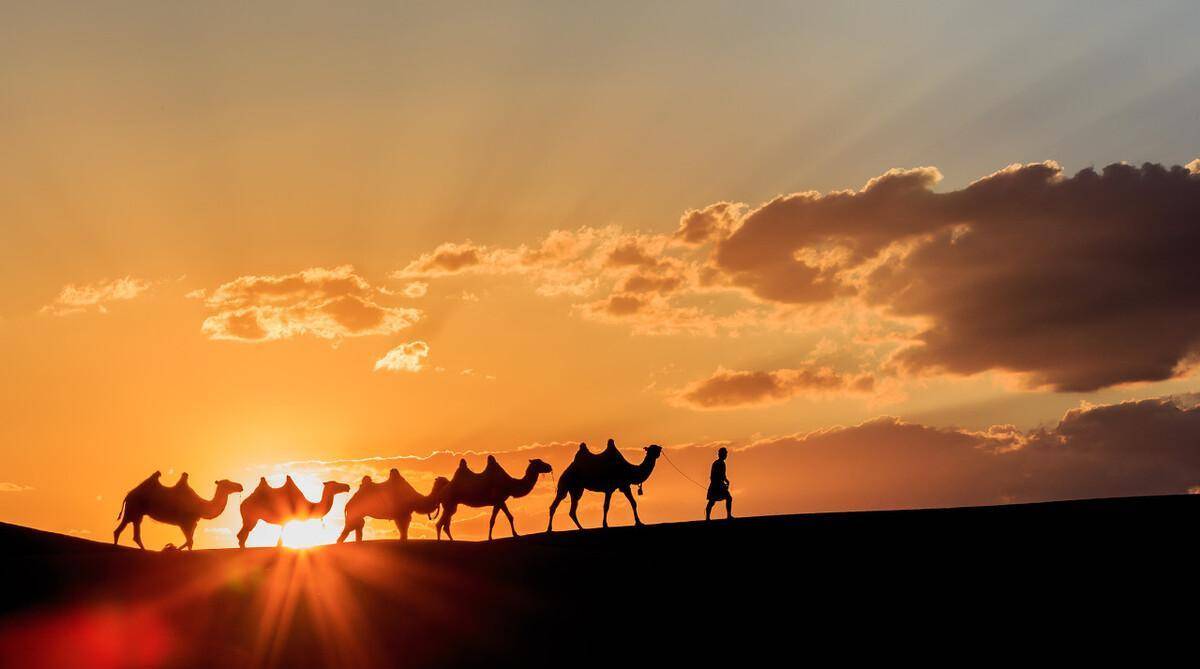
x=406, y=357
x=78, y=298
x=5, y=486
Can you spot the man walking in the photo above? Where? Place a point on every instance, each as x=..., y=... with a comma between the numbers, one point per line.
x=718, y=486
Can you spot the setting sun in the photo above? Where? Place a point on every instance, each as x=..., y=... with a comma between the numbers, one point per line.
x=305, y=534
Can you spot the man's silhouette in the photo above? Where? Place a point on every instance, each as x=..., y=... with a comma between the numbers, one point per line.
x=718, y=486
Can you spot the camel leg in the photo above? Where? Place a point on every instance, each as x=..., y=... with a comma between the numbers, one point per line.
x=117, y=532
x=189, y=531
x=345, y=531
x=607, y=501
x=632, y=505
x=402, y=524
x=558, y=497
x=444, y=522
x=492, y=521
x=504, y=507
x=575, y=495
x=248, y=524
x=137, y=532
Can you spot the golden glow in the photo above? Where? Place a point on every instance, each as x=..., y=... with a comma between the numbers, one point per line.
x=305, y=534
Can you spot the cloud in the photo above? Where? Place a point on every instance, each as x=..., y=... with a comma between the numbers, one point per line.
x=715, y=221
x=5, y=486
x=416, y=289
x=1077, y=283
x=326, y=303
x=730, y=389
x=77, y=298
x=404, y=358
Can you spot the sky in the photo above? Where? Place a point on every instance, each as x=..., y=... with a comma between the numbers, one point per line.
x=891, y=254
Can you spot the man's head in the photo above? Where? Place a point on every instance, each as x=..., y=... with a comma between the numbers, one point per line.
x=722, y=452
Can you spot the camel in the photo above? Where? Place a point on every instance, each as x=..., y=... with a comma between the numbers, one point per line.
x=176, y=505
x=604, y=472
x=393, y=499
x=285, y=503
x=492, y=487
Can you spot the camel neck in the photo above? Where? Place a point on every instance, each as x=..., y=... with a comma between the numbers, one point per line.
x=643, y=470
x=322, y=507
x=213, y=508
x=524, y=485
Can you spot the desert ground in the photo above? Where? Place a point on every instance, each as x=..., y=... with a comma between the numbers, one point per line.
x=1073, y=578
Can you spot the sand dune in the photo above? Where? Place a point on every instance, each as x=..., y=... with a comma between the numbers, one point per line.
x=879, y=585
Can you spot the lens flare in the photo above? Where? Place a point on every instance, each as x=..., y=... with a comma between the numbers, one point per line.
x=300, y=534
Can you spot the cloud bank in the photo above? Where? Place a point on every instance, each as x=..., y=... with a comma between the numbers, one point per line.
x=1141, y=447
x=1073, y=283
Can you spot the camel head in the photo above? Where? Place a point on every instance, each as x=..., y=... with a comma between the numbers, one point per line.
x=228, y=487
x=539, y=466
x=335, y=488
x=439, y=487
x=653, y=451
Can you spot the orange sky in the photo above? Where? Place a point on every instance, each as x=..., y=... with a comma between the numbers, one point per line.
x=673, y=227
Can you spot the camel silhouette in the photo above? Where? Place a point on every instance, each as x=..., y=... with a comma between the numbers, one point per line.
x=176, y=505
x=394, y=499
x=491, y=487
x=604, y=472
x=280, y=505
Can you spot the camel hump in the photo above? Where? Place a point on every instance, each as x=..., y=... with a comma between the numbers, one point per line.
x=612, y=445
x=462, y=463
x=366, y=480
x=393, y=474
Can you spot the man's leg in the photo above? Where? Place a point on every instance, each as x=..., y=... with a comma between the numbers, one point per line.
x=708, y=509
x=729, y=506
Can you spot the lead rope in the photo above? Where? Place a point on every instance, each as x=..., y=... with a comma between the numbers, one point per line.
x=693, y=481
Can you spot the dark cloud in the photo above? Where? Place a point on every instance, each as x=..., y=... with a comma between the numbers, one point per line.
x=1076, y=282
x=1145, y=447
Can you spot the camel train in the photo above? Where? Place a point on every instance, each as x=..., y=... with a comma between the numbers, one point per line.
x=394, y=499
